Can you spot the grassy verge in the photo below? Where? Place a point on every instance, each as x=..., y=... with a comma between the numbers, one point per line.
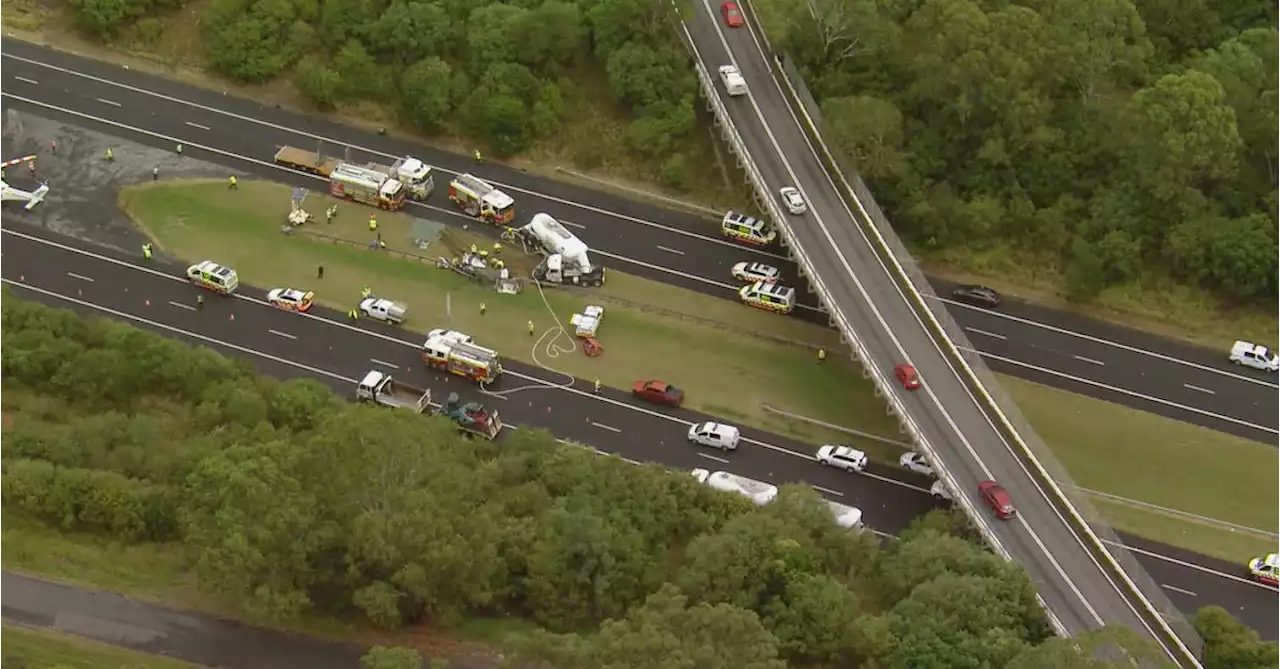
x=43, y=649
x=1157, y=460
x=1225, y=544
x=728, y=357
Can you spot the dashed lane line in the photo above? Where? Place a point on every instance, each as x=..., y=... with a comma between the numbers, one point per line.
x=79, y=276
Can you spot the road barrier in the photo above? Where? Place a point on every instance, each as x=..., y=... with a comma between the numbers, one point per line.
x=1175, y=641
x=1162, y=618
x=882, y=383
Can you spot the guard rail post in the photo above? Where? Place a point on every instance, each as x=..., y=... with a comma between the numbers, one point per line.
x=1144, y=590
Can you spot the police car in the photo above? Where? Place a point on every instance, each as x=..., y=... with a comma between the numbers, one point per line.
x=753, y=272
x=747, y=229
x=769, y=296
x=1266, y=570
x=291, y=299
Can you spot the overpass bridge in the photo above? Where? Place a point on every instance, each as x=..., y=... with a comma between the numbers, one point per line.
x=876, y=298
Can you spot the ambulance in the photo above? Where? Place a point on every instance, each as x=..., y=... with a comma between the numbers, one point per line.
x=212, y=276
x=1265, y=570
x=482, y=200
x=747, y=229
x=462, y=357
x=769, y=296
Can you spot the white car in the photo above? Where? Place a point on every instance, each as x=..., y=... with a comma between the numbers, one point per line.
x=848, y=517
x=381, y=309
x=940, y=491
x=1255, y=356
x=715, y=435
x=757, y=491
x=753, y=272
x=842, y=457
x=916, y=463
x=794, y=200
x=734, y=83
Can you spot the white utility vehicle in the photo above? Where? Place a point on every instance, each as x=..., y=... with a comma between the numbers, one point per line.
x=757, y=491
x=382, y=309
x=1255, y=356
x=842, y=457
x=734, y=83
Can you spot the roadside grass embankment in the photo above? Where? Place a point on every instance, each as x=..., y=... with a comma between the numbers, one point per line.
x=28, y=648
x=729, y=358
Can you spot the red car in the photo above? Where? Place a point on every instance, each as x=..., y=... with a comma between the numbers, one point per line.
x=658, y=392
x=998, y=499
x=732, y=14
x=907, y=375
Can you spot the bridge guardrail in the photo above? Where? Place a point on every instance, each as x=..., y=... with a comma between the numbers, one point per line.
x=1133, y=576
x=882, y=384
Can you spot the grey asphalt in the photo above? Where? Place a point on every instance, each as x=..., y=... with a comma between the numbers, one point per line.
x=1066, y=572
x=1238, y=401
x=337, y=353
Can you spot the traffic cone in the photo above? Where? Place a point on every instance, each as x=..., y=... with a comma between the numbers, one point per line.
x=147, y=302
x=233, y=317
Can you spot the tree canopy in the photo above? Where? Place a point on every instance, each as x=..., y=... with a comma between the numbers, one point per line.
x=1116, y=140
x=292, y=501
x=500, y=71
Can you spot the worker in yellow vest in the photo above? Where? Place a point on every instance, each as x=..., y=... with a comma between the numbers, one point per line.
x=373, y=222
x=822, y=354
x=364, y=294
x=110, y=156
x=231, y=183
x=497, y=248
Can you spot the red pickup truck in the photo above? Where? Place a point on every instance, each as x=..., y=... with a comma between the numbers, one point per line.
x=658, y=392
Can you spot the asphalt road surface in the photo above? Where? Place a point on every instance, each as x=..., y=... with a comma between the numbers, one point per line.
x=1058, y=349
x=101, y=281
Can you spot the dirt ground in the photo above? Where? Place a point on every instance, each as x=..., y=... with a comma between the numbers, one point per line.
x=82, y=183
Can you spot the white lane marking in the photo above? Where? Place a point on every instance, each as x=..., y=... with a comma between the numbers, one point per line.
x=33, y=82
x=1198, y=389
x=602, y=426
x=79, y=276
x=334, y=142
x=574, y=225
x=113, y=103
x=941, y=408
x=278, y=333
x=384, y=364
x=984, y=333
x=1175, y=588
x=1091, y=361
x=1190, y=565
x=198, y=126
x=1108, y=342
x=827, y=490
x=1122, y=391
x=180, y=305
x=440, y=210
x=377, y=335
x=671, y=250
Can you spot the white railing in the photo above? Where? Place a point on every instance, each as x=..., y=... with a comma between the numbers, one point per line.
x=941, y=336
x=882, y=383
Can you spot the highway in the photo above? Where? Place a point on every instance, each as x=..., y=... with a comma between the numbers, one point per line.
x=69, y=273
x=1058, y=349
x=1075, y=582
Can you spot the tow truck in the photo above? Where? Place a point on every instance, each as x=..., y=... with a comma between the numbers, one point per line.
x=380, y=388
x=415, y=175
x=482, y=200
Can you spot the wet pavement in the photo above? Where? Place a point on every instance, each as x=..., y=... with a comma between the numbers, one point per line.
x=83, y=196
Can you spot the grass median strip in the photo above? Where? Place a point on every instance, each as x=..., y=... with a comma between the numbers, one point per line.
x=1157, y=460
x=729, y=358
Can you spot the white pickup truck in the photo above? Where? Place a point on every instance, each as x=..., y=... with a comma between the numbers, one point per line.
x=382, y=309
x=381, y=389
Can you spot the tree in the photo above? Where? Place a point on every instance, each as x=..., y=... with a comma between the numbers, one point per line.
x=506, y=121
x=410, y=32
x=924, y=555
x=1098, y=42
x=491, y=36
x=361, y=77
x=551, y=34
x=666, y=631
x=1230, y=645
x=1111, y=647
x=1249, y=81
x=383, y=657
x=424, y=94
x=869, y=131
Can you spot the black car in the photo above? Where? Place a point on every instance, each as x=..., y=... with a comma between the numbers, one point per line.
x=978, y=296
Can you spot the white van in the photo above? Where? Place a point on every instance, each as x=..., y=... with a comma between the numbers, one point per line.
x=847, y=517
x=715, y=435
x=734, y=83
x=759, y=492
x=1255, y=356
